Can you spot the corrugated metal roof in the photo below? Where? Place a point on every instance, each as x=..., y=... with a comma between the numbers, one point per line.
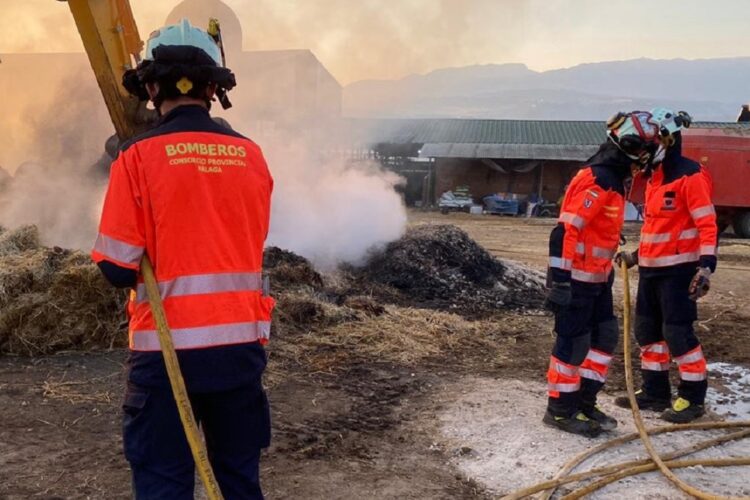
x=486, y=131
x=577, y=152
x=523, y=139
x=559, y=132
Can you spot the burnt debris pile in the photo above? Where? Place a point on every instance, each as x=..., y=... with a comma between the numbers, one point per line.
x=53, y=299
x=440, y=267
x=286, y=269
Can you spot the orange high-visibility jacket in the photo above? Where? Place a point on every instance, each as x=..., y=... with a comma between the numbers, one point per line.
x=195, y=196
x=588, y=231
x=680, y=221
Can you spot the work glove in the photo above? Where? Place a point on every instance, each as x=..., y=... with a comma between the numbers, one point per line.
x=701, y=283
x=630, y=258
x=558, y=297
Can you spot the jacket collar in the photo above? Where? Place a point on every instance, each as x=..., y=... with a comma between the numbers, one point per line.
x=612, y=157
x=183, y=111
x=674, y=154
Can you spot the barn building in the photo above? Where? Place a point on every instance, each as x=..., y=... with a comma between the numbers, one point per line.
x=523, y=157
x=527, y=158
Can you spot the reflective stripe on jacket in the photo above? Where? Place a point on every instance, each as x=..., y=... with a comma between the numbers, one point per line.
x=196, y=198
x=588, y=231
x=680, y=221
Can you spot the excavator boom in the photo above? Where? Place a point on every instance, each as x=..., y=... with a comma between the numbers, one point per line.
x=111, y=39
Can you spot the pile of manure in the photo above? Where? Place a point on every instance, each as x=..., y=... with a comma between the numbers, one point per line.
x=441, y=267
x=288, y=270
x=52, y=299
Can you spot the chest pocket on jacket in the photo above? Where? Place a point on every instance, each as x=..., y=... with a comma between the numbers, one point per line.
x=669, y=202
x=665, y=204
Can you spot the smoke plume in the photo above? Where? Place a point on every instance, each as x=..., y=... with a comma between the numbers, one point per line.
x=60, y=185
x=323, y=208
x=329, y=210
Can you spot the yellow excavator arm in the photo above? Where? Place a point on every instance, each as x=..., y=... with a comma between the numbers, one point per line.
x=111, y=39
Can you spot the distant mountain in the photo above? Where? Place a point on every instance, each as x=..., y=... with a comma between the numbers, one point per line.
x=710, y=89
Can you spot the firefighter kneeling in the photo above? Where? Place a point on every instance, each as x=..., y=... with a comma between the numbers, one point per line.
x=676, y=257
x=582, y=247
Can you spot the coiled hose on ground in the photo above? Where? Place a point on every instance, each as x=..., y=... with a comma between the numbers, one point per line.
x=664, y=463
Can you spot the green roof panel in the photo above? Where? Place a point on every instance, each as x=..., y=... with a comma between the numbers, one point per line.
x=454, y=130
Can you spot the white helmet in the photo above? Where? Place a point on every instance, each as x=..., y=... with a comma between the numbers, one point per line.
x=670, y=122
x=635, y=134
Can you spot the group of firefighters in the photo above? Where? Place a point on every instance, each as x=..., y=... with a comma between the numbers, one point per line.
x=676, y=257
x=204, y=228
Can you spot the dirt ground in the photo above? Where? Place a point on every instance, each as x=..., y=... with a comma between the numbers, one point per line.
x=363, y=428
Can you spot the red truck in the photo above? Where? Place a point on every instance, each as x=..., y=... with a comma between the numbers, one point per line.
x=724, y=149
x=725, y=152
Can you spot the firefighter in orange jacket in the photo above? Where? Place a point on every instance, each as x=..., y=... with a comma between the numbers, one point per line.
x=676, y=257
x=582, y=247
x=195, y=196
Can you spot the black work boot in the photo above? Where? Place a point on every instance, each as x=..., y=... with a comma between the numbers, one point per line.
x=645, y=402
x=595, y=413
x=683, y=411
x=577, y=424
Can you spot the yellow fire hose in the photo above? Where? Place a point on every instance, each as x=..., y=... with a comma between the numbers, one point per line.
x=197, y=446
x=563, y=477
x=625, y=469
x=612, y=473
x=690, y=490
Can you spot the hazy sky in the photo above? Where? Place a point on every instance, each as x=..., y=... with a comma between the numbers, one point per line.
x=358, y=39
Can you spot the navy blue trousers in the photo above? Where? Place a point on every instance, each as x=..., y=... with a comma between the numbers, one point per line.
x=236, y=425
x=588, y=323
x=665, y=312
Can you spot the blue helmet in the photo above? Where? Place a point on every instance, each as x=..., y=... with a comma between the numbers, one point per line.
x=184, y=34
x=184, y=60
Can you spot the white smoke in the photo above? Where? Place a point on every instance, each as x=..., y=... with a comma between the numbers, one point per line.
x=329, y=210
x=323, y=209
x=62, y=200
x=60, y=186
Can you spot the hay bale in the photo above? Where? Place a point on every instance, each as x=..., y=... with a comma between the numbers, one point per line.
x=53, y=299
x=19, y=240
x=440, y=267
x=20, y=274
